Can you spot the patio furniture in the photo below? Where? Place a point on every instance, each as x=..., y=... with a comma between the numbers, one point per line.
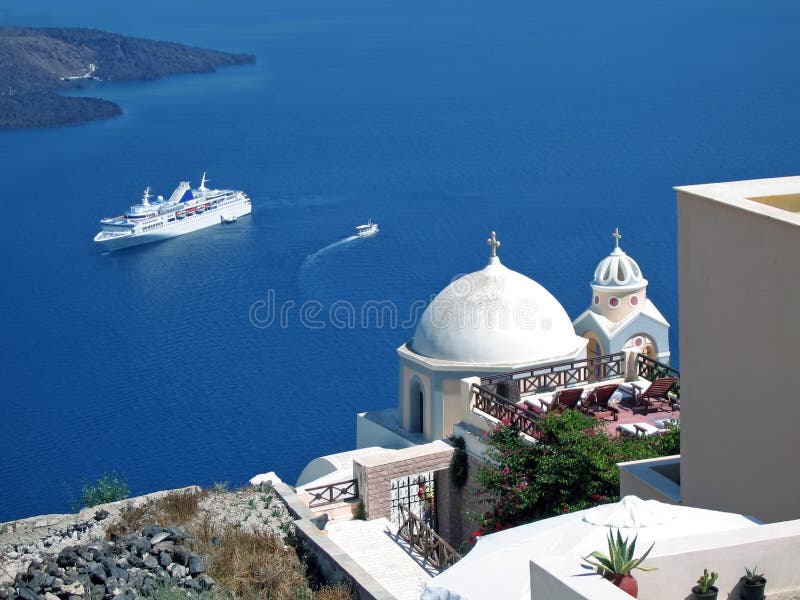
x=567, y=398
x=596, y=402
x=642, y=429
x=657, y=392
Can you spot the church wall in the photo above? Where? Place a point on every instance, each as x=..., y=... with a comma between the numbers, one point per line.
x=739, y=295
x=642, y=326
x=623, y=309
x=407, y=374
x=451, y=401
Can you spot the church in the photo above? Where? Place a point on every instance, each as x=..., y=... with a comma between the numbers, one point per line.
x=492, y=324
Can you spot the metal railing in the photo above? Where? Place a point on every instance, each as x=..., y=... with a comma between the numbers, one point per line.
x=501, y=408
x=433, y=549
x=333, y=492
x=565, y=374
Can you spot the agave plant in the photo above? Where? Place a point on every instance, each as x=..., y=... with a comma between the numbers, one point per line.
x=620, y=559
x=753, y=576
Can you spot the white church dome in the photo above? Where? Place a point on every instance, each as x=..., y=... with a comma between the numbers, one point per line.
x=495, y=316
x=619, y=271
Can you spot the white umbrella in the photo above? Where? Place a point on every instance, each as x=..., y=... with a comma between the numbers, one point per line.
x=497, y=567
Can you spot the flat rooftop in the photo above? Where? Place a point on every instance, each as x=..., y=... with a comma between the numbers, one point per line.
x=777, y=198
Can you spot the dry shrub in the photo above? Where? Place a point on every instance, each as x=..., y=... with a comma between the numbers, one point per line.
x=251, y=565
x=130, y=519
x=333, y=592
x=178, y=508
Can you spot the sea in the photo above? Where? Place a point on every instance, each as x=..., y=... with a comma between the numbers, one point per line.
x=221, y=354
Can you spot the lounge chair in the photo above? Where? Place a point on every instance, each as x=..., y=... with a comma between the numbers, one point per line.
x=567, y=398
x=596, y=402
x=639, y=429
x=656, y=392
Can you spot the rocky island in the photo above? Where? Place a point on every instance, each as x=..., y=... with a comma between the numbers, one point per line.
x=37, y=63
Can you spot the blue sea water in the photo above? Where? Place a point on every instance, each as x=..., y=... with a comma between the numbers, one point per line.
x=550, y=122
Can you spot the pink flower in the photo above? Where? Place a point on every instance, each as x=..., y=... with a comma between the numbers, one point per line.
x=506, y=470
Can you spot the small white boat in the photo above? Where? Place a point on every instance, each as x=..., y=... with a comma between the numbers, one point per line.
x=228, y=218
x=367, y=229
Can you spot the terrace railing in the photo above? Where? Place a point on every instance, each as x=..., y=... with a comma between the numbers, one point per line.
x=433, y=549
x=333, y=492
x=501, y=408
x=565, y=374
x=651, y=369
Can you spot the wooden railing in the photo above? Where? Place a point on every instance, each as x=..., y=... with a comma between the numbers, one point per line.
x=425, y=540
x=565, y=374
x=501, y=408
x=651, y=369
x=334, y=492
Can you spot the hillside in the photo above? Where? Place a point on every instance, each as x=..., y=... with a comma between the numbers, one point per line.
x=35, y=64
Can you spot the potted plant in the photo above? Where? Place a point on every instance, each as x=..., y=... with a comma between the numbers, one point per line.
x=705, y=588
x=617, y=566
x=753, y=584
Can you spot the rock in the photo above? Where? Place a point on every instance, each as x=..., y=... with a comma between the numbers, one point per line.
x=98, y=591
x=206, y=581
x=196, y=565
x=159, y=537
x=150, y=562
x=26, y=593
x=142, y=545
x=151, y=530
x=50, y=596
x=165, y=546
x=164, y=560
x=134, y=560
x=180, y=555
x=101, y=515
x=98, y=574
x=178, y=571
x=67, y=557
x=215, y=541
x=176, y=534
x=74, y=589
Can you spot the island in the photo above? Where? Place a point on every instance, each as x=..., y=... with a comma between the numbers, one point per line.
x=36, y=64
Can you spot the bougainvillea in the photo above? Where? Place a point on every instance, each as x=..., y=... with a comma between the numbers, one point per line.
x=571, y=466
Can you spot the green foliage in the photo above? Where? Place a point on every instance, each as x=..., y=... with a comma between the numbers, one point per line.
x=620, y=559
x=459, y=467
x=706, y=580
x=109, y=488
x=173, y=592
x=359, y=512
x=752, y=576
x=572, y=466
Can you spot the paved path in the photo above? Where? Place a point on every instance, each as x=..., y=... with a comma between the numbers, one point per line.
x=390, y=561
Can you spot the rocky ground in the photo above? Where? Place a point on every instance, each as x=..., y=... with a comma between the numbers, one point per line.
x=104, y=552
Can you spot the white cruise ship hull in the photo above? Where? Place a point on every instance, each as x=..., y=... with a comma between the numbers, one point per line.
x=175, y=228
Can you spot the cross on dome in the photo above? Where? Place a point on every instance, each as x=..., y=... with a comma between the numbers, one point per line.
x=616, y=235
x=494, y=243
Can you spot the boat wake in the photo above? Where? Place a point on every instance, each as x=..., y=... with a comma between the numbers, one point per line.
x=312, y=258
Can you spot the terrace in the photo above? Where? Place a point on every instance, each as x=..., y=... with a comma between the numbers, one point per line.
x=522, y=397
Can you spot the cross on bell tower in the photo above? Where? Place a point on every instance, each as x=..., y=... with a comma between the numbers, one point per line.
x=616, y=235
x=494, y=243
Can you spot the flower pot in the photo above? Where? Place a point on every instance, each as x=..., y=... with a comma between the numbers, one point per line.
x=752, y=591
x=624, y=582
x=711, y=594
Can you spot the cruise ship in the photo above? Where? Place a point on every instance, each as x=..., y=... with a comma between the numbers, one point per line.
x=185, y=211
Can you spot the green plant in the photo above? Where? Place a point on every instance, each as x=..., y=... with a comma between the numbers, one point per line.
x=620, y=559
x=752, y=576
x=359, y=512
x=220, y=486
x=459, y=468
x=572, y=466
x=706, y=580
x=109, y=488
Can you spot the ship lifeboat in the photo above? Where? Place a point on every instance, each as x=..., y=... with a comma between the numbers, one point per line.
x=180, y=214
x=200, y=209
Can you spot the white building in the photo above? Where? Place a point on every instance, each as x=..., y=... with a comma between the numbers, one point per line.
x=621, y=316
